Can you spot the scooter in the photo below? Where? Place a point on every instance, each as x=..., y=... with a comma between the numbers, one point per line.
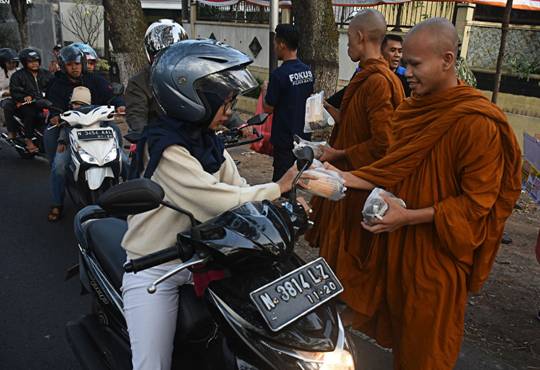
x=18, y=143
x=261, y=308
x=96, y=163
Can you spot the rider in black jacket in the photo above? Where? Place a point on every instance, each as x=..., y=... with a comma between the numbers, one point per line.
x=26, y=86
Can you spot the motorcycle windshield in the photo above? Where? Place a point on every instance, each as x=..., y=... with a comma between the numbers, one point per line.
x=252, y=229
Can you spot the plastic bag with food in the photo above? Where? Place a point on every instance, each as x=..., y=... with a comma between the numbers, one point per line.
x=300, y=143
x=316, y=116
x=375, y=207
x=324, y=183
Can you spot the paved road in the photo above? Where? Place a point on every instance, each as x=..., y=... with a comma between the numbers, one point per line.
x=35, y=301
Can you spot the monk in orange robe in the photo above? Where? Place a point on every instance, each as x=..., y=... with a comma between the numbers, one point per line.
x=456, y=163
x=363, y=133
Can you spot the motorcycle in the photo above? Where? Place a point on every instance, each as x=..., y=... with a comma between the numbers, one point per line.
x=263, y=308
x=96, y=163
x=18, y=143
x=96, y=156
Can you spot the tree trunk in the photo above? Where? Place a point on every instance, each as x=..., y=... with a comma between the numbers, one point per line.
x=127, y=26
x=19, y=9
x=318, y=45
x=504, y=33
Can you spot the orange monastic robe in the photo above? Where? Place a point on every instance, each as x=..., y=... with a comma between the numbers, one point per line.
x=454, y=151
x=365, y=133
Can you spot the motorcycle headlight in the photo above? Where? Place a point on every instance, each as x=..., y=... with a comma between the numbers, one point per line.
x=85, y=156
x=337, y=360
x=111, y=156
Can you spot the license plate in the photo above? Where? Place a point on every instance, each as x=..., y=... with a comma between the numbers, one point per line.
x=290, y=297
x=95, y=134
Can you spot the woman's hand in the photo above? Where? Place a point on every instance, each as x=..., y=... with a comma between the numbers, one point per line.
x=285, y=183
x=396, y=217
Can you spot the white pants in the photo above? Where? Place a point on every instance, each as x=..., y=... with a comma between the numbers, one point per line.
x=151, y=318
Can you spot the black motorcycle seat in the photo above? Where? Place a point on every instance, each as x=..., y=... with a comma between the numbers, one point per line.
x=105, y=238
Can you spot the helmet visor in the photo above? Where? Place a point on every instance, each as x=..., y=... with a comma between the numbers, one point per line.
x=226, y=84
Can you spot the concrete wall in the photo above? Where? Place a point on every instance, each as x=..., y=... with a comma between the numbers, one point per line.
x=238, y=37
x=40, y=26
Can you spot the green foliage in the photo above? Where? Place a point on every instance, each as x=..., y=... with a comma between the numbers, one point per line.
x=102, y=65
x=520, y=65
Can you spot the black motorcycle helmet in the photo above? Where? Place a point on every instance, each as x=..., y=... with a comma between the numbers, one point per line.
x=29, y=55
x=193, y=78
x=7, y=55
x=71, y=53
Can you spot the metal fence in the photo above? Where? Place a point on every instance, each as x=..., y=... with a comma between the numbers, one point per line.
x=239, y=13
x=398, y=16
x=402, y=16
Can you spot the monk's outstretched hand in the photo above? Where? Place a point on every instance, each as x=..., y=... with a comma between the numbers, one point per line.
x=396, y=216
x=330, y=154
x=351, y=181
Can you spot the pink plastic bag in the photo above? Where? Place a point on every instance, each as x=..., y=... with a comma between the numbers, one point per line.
x=263, y=146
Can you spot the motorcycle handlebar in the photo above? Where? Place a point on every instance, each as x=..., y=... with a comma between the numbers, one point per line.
x=183, y=252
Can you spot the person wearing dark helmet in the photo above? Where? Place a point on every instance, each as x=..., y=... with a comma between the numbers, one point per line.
x=9, y=61
x=26, y=86
x=72, y=74
x=90, y=54
x=141, y=107
x=196, y=83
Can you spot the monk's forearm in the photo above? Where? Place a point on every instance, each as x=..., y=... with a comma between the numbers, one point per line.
x=355, y=182
x=420, y=216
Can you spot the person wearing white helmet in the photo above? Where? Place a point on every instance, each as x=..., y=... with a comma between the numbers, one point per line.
x=140, y=104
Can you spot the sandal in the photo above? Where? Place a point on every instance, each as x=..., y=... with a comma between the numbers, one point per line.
x=55, y=214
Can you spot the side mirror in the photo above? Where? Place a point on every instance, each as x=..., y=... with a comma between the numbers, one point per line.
x=117, y=88
x=131, y=197
x=304, y=158
x=258, y=119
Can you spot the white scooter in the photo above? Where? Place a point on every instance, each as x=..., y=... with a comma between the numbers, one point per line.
x=96, y=163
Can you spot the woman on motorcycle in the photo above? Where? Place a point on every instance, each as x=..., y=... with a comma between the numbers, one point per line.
x=196, y=83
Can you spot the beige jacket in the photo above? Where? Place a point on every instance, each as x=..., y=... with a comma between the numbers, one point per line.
x=188, y=186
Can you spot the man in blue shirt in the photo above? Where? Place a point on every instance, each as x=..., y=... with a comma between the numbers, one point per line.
x=285, y=96
x=392, y=51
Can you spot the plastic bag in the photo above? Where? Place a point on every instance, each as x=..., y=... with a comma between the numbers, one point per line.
x=328, y=184
x=316, y=116
x=375, y=207
x=300, y=143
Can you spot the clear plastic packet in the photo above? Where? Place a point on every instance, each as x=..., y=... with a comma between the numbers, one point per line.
x=316, y=116
x=375, y=207
x=300, y=143
x=326, y=183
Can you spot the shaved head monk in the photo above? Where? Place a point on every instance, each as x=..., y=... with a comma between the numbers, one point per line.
x=456, y=164
x=362, y=134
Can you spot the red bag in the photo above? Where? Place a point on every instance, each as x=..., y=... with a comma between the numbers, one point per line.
x=263, y=146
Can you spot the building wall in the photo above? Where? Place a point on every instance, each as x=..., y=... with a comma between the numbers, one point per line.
x=40, y=26
x=523, y=42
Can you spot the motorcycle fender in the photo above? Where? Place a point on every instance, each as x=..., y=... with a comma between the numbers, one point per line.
x=96, y=175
